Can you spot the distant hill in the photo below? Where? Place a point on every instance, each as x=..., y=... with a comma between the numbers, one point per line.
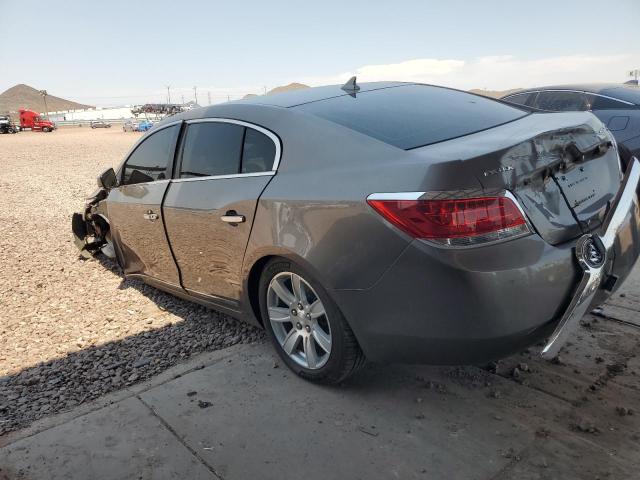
x=284, y=88
x=24, y=96
x=494, y=93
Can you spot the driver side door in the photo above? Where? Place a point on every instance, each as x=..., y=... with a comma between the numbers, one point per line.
x=134, y=208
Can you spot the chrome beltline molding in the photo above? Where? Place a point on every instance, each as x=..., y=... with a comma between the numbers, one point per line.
x=593, y=277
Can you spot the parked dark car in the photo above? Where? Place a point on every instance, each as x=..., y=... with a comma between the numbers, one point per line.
x=100, y=124
x=388, y=221
x=6, y=125
x=616, y=105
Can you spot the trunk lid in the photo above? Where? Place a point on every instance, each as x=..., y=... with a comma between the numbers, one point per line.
x=562, y=167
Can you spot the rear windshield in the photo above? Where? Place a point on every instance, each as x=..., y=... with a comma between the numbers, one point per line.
x=412, y=116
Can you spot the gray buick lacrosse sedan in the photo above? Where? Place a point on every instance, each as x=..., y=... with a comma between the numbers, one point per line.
x=394, y=222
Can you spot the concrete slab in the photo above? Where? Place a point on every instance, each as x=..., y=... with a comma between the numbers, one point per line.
x=391, y=422
x=123, y=441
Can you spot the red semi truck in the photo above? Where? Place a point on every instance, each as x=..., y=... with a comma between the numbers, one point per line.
x=33, y=120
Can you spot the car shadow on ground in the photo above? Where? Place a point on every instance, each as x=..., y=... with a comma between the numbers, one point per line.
x=95, y=370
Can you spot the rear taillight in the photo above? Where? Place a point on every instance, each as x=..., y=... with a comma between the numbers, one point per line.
x=454, y=222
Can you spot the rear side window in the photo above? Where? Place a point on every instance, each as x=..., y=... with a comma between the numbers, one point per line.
x=152, y=159
x=604, y=103
x=557, y=101
x=259, y=152
x=211, y=148
x=414, y=115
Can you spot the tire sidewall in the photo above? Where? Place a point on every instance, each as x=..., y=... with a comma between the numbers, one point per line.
x=334, y=316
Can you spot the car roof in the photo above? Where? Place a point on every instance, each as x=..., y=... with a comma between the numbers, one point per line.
x=626, y=92
x=294, y=98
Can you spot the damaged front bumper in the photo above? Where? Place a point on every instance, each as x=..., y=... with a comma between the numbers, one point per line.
x=91, y=232
x=604, y=258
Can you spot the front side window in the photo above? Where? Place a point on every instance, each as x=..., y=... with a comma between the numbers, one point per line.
x=557, y=101
x=211, y=148
x=519, y=98
x=152, y=159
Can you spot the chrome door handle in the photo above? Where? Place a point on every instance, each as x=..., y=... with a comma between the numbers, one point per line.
x=232, y=217
x=150, y=215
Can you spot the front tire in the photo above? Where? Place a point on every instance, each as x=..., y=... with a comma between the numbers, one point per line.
x=305, y=325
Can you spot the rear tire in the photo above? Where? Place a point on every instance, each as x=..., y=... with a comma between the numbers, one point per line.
x=298, y=328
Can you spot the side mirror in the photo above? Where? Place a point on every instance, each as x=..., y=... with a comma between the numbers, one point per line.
x=108, y=179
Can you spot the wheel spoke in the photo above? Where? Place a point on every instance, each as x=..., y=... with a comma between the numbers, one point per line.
x=282, y=292
x=298, y=288
x=310, y=352
x=317, y=309
x=322, y=339
x=291, y=341
x=279, y=314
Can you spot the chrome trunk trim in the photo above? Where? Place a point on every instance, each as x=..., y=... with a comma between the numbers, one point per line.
x=593, y=276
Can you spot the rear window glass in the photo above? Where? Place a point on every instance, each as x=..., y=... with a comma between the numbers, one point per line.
x=414, y=115
x=259, y=152
x=605, y=103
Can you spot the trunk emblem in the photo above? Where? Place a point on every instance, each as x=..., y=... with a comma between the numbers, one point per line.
x=590, y=251
x=502, y=169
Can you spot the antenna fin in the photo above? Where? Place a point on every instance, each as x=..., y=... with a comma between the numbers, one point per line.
x=351, y=86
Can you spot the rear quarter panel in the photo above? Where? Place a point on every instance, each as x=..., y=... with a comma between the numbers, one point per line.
x=315, y=210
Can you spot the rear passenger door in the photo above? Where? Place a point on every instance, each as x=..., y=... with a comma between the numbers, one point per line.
x=224, y=165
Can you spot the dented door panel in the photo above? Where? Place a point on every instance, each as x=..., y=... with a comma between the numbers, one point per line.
x=139, y=235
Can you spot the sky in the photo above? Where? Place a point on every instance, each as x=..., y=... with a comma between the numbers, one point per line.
x=123, y=52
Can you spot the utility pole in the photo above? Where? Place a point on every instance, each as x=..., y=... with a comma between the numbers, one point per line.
x=265, y=89
x=168, y=94
x=195, y=94
x=228, y=98
x=635, y=74
x=46, y=110
x=209, y=97
x=182, y=99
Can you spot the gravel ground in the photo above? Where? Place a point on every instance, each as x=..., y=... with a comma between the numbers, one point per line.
x=73, y=330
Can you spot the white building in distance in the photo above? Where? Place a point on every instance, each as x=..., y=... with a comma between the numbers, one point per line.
x=98, y=113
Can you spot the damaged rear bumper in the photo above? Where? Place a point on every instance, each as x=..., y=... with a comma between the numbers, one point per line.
x=605, y=259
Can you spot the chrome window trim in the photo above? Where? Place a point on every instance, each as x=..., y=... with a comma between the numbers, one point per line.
x=570, y=91
x=274, y=138
x=268, y=173
x=155, y=182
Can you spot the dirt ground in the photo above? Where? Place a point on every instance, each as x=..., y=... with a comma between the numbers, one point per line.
x=62, y=319
x=72, y=331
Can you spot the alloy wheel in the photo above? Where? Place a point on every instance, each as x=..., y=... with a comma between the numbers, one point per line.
x=299, y=320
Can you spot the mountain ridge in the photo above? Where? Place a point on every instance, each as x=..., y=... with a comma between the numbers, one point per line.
x=24, y=96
